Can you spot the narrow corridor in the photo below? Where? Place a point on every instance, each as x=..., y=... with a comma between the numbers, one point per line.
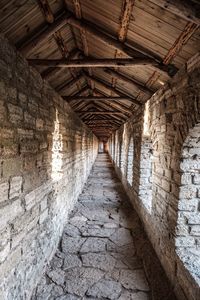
x=103, y=253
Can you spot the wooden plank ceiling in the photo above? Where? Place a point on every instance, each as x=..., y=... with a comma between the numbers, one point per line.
x=105, y=57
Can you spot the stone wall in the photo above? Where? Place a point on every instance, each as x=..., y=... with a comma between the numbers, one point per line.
x=172, y=220
x=46, y=154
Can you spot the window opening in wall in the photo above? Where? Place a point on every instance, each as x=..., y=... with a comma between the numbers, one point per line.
x=57, y=147
x=146, y=154
x=101, y=147
x=120, y=155
x=116, y=150
x=146, y=124
x=123, y=154
x=130, y=162
x=145, y=187
x=188, y=221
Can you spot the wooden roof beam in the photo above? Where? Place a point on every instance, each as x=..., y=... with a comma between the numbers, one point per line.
x=100, y=120
x=117, y=117
x=132, y=51
x=125, y=19
x=78, y=13
x=100, y=126
x=83, y=90
x=123, y=108
x=42, y=33
x=183, y=38
x=115, y=106
x=92, y=62
x=65, y=85
x=129, y=80
x=118, y=120
x=46, y=10
x=187, y=10
x=119, y=93
x=104, y=112
x=48, y=73
x=91, y=98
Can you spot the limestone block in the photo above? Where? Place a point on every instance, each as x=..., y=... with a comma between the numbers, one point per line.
x=188, y=204
x=4, y=188
x=188, y=241
x=43, y=216
x=39, y=124
x=10, y=263
x=4, y=252
x=15, y=113
x=30, y=200
x=94, y=244
x=29, y=120
x=134, y=279
x=15, y=187
x=29, y=146
x=195, y=229
x=103, y=261
x=3, y=112
x=22, y=99
x=108, y=289
x=9, y=212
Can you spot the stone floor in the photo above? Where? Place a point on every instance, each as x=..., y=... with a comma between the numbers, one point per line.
x=103, y=253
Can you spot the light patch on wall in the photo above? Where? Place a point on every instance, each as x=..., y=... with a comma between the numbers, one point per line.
x=57, y=147
x=146, y=125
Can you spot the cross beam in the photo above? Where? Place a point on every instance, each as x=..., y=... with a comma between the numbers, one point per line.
x=92, y=62
x=105, y=112
x=93, y=98
x=119, y=93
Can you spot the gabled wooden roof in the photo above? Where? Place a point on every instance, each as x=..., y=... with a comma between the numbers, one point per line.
x=105, y=57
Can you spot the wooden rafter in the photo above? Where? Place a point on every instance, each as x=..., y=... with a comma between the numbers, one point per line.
x=81, y=92
x=129, y=80
x=92, y=62
x=34, y=40
x=48, y=73
x=125, y=19
x=46, y=10
x=111, y=106
x=112, y=72
x=105, y=120
x=62, y=46
x=126, y=11
x=183, y=38
x=101, y=108
x=65, y=85
x=114, y=105
x=100, y=126
x=105, y=112
x=188, y=10
x=78, y=13
x=133, y=51
x=93, y=98
x=117, y=92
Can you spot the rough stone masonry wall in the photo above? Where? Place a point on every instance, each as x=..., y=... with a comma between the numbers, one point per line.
x=173, y=221
x=46, y=154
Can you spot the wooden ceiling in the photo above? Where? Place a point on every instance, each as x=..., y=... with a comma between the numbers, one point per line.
x=105, y=57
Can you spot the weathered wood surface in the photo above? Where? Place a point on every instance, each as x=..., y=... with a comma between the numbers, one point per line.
x=94, y=63
x=188, y=10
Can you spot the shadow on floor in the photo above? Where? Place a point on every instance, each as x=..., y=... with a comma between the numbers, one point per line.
x=104, y=252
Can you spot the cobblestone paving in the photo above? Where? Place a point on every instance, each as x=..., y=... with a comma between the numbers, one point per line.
x=97, y=258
